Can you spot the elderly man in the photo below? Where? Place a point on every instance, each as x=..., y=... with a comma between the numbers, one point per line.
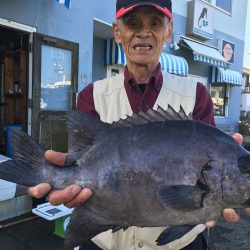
x=142, y=28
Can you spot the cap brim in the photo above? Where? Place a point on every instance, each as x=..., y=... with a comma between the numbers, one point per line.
x=124, y=11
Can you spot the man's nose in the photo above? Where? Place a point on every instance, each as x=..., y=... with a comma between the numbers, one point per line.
x=144, y=32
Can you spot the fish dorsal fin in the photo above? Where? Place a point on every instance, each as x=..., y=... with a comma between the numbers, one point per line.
x=82, y=130
x=153, y=116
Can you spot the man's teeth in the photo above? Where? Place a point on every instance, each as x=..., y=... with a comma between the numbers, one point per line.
x=142, y=47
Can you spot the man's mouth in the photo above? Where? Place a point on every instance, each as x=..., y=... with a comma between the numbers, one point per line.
x=143, y=47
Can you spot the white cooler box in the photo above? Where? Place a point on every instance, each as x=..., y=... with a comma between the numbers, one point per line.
x=7, y=189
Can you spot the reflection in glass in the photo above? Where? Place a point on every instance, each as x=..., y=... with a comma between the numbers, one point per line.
x=55, y=79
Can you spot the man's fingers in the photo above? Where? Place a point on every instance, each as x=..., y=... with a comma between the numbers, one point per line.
x=247, y=211
x=39, y=191
x=65, y=195
x=83, y=196
x=56, y=158
x=238, y=138
x=71, y=196
x=230, y=215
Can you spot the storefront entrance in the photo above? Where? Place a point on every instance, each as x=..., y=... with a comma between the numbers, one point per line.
x=38, y=84
x=14, y=61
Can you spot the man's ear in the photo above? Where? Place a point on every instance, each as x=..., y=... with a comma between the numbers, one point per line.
x=169, y=32
x=116, y=31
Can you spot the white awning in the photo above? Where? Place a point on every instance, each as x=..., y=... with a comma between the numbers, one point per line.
x=113, y=54
x=204, y=53
x=220, y=75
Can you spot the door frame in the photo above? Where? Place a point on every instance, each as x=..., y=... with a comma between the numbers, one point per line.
x=16, y=25
x=30, y=30
x=37, y=113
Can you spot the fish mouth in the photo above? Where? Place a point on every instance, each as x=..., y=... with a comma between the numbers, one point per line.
x=142, y=47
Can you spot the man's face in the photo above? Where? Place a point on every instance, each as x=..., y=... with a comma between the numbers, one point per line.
x=142, y=34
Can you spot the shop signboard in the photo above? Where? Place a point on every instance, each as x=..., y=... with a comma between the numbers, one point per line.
x=200, y=20
x=227, y=50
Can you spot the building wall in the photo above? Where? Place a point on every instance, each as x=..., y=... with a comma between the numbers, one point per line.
x=228, y=27
x=76, y=25
x=229, y=24
x=53, y=19
x=247, y=39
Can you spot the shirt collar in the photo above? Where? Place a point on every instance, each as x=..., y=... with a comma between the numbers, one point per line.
x=155, y=80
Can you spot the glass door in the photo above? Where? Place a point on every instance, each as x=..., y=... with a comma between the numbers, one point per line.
x=54, y=89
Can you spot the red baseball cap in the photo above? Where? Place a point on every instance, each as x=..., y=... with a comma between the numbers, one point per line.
x=125, y=6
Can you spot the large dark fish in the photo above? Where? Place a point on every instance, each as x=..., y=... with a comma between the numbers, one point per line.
x=143, y=171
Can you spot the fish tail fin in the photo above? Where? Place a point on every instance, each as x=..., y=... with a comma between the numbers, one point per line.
x=28, y=161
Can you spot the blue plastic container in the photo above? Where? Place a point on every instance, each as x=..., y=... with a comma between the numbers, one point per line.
x=7, y=132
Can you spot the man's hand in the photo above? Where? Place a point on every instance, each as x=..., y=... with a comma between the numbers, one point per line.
x=71, y=196
x=229, y=214
x=238, y=138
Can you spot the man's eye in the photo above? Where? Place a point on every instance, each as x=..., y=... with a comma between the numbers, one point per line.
x=156, y=23
x=132, y=23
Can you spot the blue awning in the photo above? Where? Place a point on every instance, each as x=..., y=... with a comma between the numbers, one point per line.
x=114, y=54
x=204, y=53
x=174, y=64
x=221, y=75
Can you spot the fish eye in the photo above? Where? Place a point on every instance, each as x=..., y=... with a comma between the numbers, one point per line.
x=207, y=167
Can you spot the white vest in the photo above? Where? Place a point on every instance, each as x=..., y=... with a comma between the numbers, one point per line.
x=112, y=104
x=111, y=100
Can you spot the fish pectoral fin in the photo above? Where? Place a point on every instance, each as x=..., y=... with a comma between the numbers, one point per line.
x=84, y=225
x=182, y=197
x=173, y=233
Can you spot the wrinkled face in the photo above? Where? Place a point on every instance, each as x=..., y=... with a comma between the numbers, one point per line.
x=142, y=34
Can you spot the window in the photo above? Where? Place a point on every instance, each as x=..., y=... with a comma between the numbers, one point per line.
x=246, y=83
x=225, y=5
x=219, y=94
x=55, y=78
